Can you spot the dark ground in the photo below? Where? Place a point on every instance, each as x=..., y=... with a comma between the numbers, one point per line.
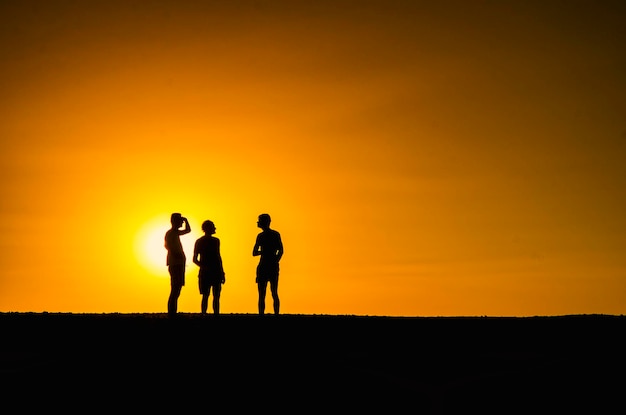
x=312, y=363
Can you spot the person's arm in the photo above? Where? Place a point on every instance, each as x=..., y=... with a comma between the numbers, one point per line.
x=187, y=228
x=256, y=251
x=196, y=253
x=219, y=258
x=279, y=250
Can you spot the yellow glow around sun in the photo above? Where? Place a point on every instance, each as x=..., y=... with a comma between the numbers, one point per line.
x=149, y=248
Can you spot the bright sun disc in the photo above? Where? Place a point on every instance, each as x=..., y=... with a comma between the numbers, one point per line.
x=149, y=248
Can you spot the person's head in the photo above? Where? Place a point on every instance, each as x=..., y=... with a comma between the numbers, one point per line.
x=264, y=221
x=208, y=227
x=177, y=220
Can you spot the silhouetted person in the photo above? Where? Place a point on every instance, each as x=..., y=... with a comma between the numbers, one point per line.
x=176, y=260
x=269, y=246
x=206, y=255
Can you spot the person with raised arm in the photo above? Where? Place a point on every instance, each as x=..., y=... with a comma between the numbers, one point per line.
x=176, y=260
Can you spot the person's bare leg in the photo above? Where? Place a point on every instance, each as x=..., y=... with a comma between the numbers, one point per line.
x=216, y=300
x=262, y=290
x=274, y=290
x=205, y=303
x=172, y=302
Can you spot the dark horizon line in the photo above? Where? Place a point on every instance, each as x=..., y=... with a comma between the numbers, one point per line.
x=271, y=316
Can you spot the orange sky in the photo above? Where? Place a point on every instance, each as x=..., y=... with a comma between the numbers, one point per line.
x=420, y=158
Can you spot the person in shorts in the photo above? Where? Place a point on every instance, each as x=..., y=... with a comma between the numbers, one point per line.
x=176, y=260
x=211, y=276
x=269, y=246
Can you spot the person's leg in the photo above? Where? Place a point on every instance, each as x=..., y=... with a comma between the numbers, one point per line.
x=176, y=285
x=217, y=290
x=172, y=302
x=262, y=286
x=274, y=291
x=205, y=303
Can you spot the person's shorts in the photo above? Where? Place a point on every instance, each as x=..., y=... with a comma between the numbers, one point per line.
x=177, y=275
x=267, y=273
x=206, y=280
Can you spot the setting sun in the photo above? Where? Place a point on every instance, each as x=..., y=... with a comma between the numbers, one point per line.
x=149, y=248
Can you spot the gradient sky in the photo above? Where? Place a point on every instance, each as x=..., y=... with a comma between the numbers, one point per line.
x=420, y=158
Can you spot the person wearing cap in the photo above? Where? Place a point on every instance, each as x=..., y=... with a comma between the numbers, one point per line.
x=206, y=255
x=269, y=246
x=176, y=260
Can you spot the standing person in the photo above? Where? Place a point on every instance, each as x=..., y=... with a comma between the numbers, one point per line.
x=269, y=246
x=176, y=260
x=206, y=255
